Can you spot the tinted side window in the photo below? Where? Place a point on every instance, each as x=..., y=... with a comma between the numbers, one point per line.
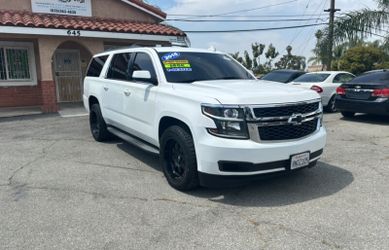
x=343, y=78
x=119, y=67
x=348, y=77
x=143, y=62
x=96, y=66
x=337, y=78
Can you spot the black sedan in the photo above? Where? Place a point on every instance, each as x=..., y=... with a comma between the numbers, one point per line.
x=282, y=75
x=368, y=93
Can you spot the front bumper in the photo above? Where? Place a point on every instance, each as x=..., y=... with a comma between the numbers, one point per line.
x=379, y=106
x=265, y=158
x=219, y=181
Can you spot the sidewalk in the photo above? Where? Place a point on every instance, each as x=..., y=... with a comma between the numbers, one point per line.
x=19, y=111
x=66, y=110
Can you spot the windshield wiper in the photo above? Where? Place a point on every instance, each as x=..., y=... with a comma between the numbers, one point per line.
x=229, y=78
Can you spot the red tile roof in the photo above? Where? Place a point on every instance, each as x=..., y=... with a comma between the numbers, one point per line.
x=28, y=19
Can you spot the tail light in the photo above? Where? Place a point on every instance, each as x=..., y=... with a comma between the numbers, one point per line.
x=341, y=91
x=317, y=89
x=381, y=92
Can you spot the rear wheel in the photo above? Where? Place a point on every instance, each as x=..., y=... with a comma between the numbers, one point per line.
x=331, y=105
x=178, y=158
x=97, y=124
x=348, y=114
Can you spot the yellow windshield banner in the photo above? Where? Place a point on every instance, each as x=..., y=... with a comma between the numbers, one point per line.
x=177, y=65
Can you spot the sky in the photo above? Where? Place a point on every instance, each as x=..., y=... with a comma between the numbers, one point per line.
x=302, y=40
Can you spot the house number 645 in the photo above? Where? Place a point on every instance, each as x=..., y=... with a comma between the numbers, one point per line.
x=74, y=33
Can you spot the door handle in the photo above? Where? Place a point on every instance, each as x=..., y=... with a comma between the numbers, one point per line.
x=127, y=92
x=106, y=88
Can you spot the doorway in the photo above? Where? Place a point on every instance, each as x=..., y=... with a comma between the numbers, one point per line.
x=68, y=75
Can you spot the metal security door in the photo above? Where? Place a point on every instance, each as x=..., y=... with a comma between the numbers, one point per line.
x=68, y=75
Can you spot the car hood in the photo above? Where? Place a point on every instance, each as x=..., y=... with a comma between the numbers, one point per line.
x=247, y=91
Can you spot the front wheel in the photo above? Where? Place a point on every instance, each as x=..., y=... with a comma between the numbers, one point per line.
x=331, y=105
x=178, y=158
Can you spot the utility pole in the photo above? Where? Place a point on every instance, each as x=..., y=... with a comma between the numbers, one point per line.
x=332, y=12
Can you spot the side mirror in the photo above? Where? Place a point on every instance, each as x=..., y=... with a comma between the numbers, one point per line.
x=143, y=75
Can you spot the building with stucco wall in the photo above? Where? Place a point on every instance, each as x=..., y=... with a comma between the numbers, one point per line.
x=46, y=45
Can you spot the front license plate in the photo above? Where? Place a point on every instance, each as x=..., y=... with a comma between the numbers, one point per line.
x=299, y=161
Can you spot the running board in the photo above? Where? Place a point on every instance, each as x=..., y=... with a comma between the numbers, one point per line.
x=134, y=141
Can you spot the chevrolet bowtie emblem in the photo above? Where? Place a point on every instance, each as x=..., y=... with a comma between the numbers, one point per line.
x=296, y=119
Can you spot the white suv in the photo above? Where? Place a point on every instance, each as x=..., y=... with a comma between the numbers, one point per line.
x=209, y=119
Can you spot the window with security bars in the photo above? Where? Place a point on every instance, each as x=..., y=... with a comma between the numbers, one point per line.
x=17, y=64
x=14, y=64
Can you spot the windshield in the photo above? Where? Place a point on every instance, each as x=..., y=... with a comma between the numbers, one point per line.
x=279, y=76
x=321, y=77
x=188, y=67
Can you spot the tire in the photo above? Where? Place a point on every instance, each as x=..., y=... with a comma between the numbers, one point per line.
x=178, y=158
x=348, y=114
x=331, y=105
x=97, y=124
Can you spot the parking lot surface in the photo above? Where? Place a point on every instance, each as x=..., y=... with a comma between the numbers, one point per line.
x=59, y=189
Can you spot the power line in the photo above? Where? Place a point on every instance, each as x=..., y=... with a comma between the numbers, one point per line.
x=254, y=30
x=317, y=10
x=269, y=15
x=239, y=11
x=297, y=34
x=311, y=32
x=259, y=8
x=237, y=21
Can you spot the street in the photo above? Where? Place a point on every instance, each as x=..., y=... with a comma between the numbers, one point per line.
x=59, y=189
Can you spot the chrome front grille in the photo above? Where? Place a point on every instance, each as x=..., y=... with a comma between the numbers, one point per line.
x=286, y=110
x=280, y=122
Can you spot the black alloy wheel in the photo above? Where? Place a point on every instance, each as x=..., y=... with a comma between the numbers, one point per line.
x=97, y=124
x=331, y=105
x=178, y=158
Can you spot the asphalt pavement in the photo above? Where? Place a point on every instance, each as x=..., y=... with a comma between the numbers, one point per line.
x=59, y=189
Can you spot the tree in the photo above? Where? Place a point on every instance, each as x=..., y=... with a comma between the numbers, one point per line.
x=357, y=25
x=247, y=61
x=270, y=55
x=252, y=62
x=362, y=58
x=290, y=61
x=257, y=49
x=353, y=27
x=321, y=50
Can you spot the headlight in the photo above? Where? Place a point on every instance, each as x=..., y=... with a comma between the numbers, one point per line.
x=321, y=116
x=229, y=120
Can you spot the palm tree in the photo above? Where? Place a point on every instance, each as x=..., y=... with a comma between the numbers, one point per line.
x=320, y=50
x=356, y=25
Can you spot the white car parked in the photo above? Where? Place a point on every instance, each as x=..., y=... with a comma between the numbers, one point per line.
x=209, y=119
x=324, y=83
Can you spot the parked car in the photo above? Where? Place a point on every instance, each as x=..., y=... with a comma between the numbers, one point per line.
x=282, y=75
x=368, y=93
x=209, y=119
x=324, y=83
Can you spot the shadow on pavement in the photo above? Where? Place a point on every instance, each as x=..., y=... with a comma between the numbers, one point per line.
x=371, y=119
x=308, y=184
x=147, y=158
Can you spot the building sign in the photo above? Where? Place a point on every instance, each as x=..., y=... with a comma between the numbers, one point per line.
x=63, y=7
